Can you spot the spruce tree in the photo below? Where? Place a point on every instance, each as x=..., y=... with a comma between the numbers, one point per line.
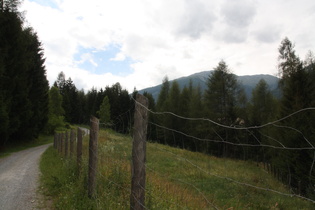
x=295, y=131
x=220, y=100
x=104, y=112
x=24, y=86
x=161, y=107
x=56, y=111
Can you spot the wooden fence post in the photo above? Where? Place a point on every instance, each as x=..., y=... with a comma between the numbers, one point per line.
x=137, y=195
x=55, y=140
x=58, y=142
x=72, y=138
x=61, y=143
x=94, y=128
x=79, y=149
x=66, y=144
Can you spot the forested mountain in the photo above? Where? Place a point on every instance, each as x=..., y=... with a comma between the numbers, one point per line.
x=200, y=79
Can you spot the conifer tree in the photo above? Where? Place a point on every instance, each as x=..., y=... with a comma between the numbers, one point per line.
x=220, y=101
x=24, y=87
x=296, y=96
x=104, y=112
x=172, y=105
x=56, y=111
x=160, y=107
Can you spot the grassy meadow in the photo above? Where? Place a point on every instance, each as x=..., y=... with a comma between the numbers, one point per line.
x=175, y=179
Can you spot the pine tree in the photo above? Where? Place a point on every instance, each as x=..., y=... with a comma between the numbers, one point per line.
x=24, y=85
x=288, y=60
x=221, y=99
x=172, y=105
x=104, y=112
x=262, y=109
x=38, y=84
x=196, y=128
x=163, y=94
x=161, y=107
x=152, y=135
x=296, y=96
x=56, y=111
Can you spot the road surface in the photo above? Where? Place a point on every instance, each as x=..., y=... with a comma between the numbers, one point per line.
x=19, y=175
x=85, y=130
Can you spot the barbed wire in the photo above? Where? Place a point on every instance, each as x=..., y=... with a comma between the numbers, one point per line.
x=129, y=190
x=151, y=169
x=231, y=143
x=235, y=181
x=222, y=125
x=247, y=129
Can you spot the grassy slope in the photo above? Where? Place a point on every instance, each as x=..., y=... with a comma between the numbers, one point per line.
x=176, y=179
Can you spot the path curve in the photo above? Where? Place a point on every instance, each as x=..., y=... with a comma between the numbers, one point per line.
x=85, y=130
x=19, y=175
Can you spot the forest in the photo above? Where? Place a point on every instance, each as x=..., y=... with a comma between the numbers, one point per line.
x=220, y=121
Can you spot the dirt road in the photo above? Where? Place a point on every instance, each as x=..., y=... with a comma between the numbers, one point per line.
x=19, y=175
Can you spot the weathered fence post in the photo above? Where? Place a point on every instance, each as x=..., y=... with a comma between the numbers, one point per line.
x=55, y=140
x=61, y=143
x=79, y=149
x=58, y=142
x=72, y=138
x=94, y=128
x=66, y=144
x=137, y=195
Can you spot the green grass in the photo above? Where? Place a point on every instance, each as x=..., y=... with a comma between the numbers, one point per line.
x=10, y=148
x=176, y=179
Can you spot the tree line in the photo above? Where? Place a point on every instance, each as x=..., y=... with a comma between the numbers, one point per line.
x=28, y=106
x=225, y=104
x=23, y=84
x=113, y=105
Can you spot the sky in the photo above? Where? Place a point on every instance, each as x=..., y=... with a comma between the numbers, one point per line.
x=138, y=42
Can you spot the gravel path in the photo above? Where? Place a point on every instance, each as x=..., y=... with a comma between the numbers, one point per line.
x=86, y=131
x=19, y=175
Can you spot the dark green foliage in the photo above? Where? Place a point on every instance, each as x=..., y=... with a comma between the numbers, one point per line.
x=23, y=83
x=263, y=106
x=72, y=103
x=152, y=129
x=104, y=112
x=163, y=94
x=121, y=108
x=56, y=112
x=288, y=60
x=161, y=106
x=78, y=106
x=221, y=99
x=247, y=82
x=298, y=91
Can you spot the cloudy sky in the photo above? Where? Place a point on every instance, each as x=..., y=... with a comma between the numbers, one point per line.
x=138, y=42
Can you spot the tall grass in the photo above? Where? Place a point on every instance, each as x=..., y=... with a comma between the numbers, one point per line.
x=176, y=179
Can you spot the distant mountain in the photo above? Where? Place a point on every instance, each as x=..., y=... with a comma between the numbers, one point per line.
x=247, y=82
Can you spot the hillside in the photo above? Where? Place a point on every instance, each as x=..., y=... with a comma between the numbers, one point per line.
x=247, y=82
x=176, y=179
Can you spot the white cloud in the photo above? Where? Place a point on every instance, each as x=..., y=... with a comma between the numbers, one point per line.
x=119, y=57
x=174, y=38
x=87, y=57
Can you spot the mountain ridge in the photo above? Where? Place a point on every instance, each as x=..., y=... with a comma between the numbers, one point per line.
x=248, y=82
